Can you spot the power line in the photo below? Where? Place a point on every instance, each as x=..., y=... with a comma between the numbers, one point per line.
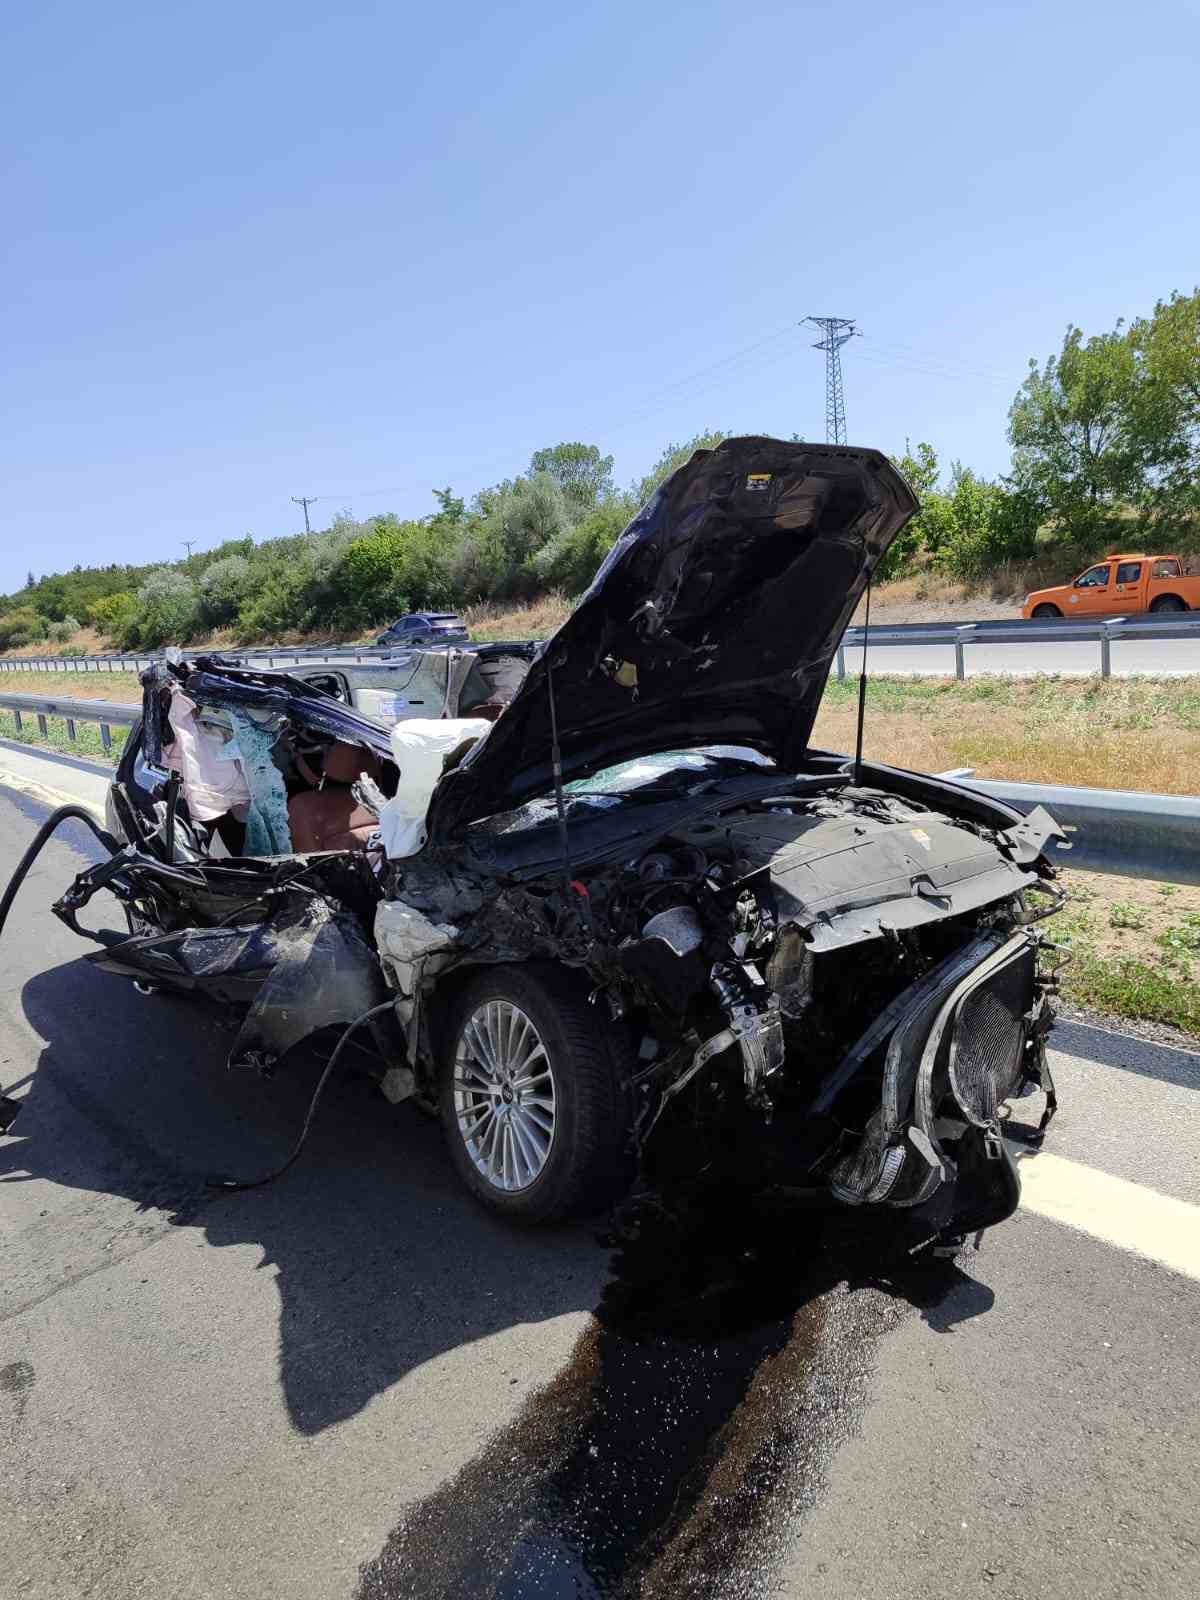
x=348, y=495
x=899, y=355
x=305, y=500
x=838, y=331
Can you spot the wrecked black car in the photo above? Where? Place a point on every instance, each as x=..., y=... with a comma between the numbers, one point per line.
x=616, y=912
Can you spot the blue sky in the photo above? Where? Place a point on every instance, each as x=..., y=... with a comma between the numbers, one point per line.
x=263, y=250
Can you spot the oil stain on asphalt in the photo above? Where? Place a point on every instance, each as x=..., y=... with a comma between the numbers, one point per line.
x=729, y=1357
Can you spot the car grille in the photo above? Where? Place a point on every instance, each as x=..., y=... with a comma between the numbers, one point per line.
x=987, y=1049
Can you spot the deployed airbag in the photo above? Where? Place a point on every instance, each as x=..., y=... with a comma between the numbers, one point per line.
x=420, y=748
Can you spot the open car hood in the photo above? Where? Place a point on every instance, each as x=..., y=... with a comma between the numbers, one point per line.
x=713, y=620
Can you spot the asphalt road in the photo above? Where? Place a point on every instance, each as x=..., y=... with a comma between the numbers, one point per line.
x=354, y=1383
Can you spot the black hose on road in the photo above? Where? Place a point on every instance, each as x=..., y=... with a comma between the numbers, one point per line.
x=233, y=1184
x=9, y=1108
x=40, y=839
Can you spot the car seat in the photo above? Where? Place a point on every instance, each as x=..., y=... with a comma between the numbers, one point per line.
x=330, y=818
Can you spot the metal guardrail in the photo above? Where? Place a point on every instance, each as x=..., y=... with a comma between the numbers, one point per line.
x=1103, y=631
x=109, y=714
x=960, y=636
x=1118, y=831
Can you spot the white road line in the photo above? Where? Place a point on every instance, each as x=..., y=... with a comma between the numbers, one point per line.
x=73, y=787
x=1113, y=1210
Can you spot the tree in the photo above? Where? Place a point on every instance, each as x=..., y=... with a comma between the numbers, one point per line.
x=569, y=561
x=926, y=530
x=168, y=608
x=224, y=586
x=451, y=507
x=581, y=472
x=1168, y=344
x=115, y=615
x=494, y=558
x=1079, y=448
x=674, y=456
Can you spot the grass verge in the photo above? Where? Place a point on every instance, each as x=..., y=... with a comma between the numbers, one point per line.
x=86, y=742
x=1119, y=733
x=1135, y=948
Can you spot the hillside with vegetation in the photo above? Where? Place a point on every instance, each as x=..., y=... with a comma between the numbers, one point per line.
x=1105, y=438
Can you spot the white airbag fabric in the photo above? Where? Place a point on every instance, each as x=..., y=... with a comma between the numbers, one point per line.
x=419, y=748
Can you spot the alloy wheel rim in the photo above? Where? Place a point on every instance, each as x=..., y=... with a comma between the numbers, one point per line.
x=505, y=1102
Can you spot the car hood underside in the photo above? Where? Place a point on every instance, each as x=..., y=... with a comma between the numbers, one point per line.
x=713, y=620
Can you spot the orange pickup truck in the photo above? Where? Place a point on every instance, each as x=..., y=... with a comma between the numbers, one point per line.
x=1119, y=586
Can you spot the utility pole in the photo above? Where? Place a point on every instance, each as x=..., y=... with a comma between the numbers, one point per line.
x=187, y=544
x=837, y=331
x=305, y=500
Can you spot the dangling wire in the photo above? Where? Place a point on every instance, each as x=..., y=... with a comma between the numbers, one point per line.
x=269, y=1177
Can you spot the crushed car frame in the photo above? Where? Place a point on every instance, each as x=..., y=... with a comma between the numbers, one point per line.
x=615, y=910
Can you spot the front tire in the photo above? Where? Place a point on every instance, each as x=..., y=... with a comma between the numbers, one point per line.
x=1044, y=613
x=534, y=1096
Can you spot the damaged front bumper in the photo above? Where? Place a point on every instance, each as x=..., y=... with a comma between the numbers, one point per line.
x=966, y=1039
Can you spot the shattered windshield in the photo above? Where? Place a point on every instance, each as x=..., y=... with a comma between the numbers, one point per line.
x=669, y=775
x=675, y=770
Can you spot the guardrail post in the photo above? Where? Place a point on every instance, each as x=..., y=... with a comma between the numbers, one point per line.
x=1106, y=645
x=71, y=729
x=17, y=719
x=841, y=663
x=960, y=661
x=42, y=728
x=106, y=736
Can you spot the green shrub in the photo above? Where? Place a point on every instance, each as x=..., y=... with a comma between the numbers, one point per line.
x=569, y=560
x=20, y=626
x=395, y=567
x=60, y=632
x=225, y=586
x=115, y=616
x=168, y=609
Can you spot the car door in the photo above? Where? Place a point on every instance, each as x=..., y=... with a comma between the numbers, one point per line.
x=1128, y=587
x=1091, y=593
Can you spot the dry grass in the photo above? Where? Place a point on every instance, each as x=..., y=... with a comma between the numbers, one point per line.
x=123, y=686
x=535, y=620
x=1133, y=733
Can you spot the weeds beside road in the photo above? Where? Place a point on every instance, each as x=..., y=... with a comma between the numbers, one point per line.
x=1135, y=948
x=1119, y=733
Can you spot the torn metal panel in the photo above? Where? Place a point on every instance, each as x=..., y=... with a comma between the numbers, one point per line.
x=323, y=972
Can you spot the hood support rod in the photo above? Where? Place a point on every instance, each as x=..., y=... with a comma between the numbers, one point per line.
x=559, y=802
x=862, y=694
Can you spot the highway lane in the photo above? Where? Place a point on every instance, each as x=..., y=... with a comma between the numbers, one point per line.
x=355, y=1382
x=1130, y=657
